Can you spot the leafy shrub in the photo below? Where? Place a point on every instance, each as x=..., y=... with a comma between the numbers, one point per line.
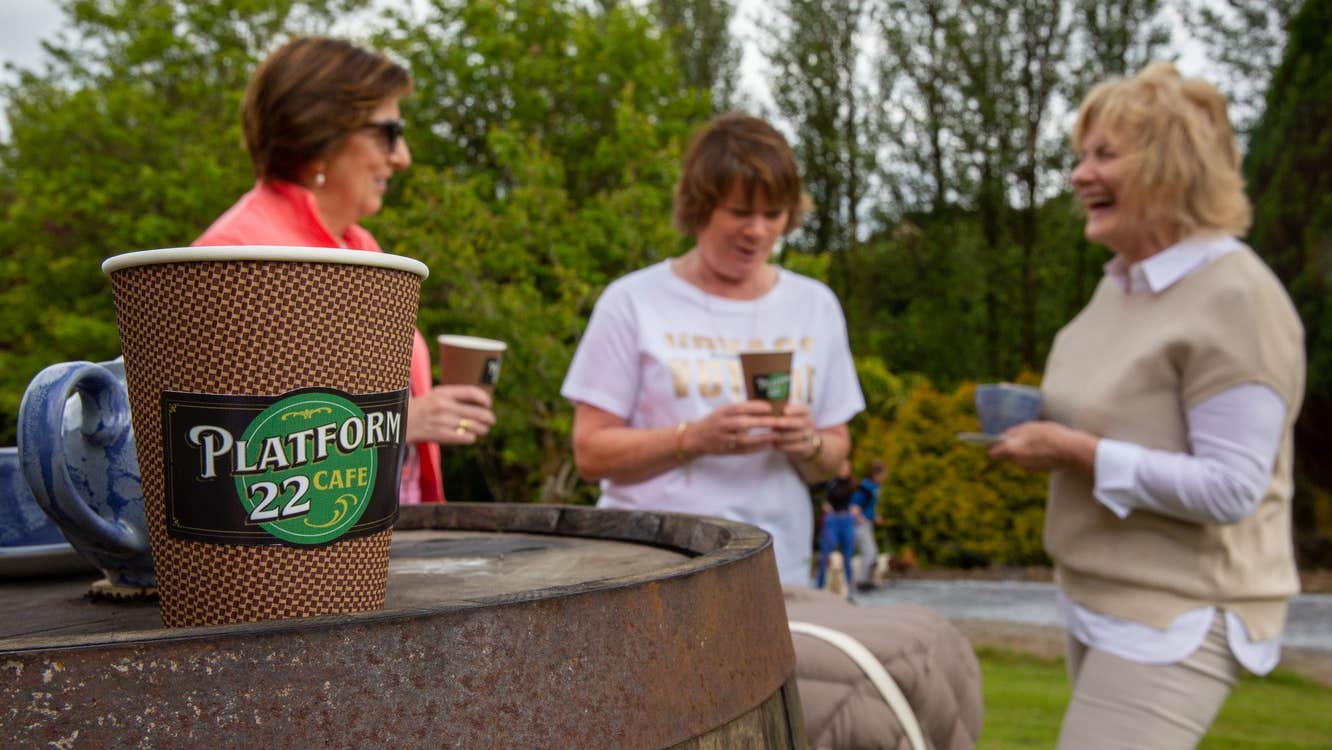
x=946, y=499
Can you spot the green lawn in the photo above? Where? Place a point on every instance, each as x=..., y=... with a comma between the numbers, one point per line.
x=1025, y=697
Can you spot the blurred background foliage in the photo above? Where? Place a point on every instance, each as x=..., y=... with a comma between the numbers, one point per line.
x=546, y=137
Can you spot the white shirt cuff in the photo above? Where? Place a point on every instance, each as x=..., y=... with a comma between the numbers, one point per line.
x=1116, y=475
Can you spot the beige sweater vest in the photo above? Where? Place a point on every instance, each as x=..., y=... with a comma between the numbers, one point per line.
x=1128, y=367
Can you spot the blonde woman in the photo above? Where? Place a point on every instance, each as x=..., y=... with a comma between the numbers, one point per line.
x=1170, y=401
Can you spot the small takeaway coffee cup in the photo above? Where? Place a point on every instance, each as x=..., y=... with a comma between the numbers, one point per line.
x=268, y=393
x=767, y=376
x=469, y=360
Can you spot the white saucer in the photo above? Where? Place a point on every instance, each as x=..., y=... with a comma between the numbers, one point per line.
x=41, y=560
x=979, y=438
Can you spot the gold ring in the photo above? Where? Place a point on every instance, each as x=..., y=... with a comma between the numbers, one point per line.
x=462, y=424
x=461, y=430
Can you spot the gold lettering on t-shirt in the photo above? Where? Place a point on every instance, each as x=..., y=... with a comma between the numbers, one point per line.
x=709, y=377
x=717, y=375
x=679, y=376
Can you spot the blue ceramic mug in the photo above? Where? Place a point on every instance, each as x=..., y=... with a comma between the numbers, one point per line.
x=78, y=455
x=1001, y=406
x=23, y=523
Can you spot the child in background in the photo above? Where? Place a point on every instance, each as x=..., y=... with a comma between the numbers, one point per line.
x=839, y=528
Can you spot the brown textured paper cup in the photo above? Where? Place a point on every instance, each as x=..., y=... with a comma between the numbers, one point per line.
x=254, y=325
x=768, y=376
x=469, y=360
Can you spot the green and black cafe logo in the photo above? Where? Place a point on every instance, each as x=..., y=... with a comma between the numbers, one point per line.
x=490, y=372
x=304, y=468
x=773, y=386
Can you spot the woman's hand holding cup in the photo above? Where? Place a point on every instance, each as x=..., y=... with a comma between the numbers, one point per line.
x=731, y=429
x=449, y=414
x=1045, y=445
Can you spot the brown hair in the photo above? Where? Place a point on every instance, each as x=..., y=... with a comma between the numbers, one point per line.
x=737, y=149
x=1184, y=166
x=308, y=96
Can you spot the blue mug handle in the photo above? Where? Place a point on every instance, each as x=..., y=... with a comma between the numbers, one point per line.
x=114, y=537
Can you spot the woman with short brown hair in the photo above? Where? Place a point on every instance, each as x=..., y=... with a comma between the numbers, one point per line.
x=661, y=414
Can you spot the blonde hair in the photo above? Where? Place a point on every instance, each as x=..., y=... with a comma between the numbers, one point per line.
x=1183, y=160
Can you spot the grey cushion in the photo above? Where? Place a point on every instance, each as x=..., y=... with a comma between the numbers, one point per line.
x=928, y=658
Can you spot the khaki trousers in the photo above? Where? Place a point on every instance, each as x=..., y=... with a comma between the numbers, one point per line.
x=1119, y=704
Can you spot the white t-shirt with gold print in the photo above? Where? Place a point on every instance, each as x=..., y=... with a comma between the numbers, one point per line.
x=658, y=351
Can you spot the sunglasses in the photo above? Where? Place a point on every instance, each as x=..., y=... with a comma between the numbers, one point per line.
x=390, y=131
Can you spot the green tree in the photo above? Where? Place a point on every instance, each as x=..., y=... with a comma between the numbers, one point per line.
x=127, y=139
x=544, y=170
x=1244, y=40
x=981, y=257
x=707, y=53
x=916, y=69
x=1119, y=38
x=815, y=48
x=1009, y=57
x=1289, y=172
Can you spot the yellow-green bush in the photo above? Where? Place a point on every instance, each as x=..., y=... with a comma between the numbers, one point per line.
x=943, y=498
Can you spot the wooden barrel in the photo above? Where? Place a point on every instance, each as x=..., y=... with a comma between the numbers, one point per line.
x=506, y=626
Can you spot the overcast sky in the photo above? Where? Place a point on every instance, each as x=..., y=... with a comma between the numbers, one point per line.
x=25, y=23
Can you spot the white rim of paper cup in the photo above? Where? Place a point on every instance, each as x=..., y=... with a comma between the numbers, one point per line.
x=270, y=253
x=472, y=342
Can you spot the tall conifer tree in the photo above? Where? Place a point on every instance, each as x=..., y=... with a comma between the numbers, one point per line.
x=708, y=55
x=816, y=49
x=1289, y=171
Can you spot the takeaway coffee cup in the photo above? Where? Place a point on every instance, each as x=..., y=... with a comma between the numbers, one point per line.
x=767, y=376
x=268, y=393
x=469, y=360
x=1001, y=406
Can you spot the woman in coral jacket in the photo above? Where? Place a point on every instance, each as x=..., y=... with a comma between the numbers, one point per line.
x=325, y=134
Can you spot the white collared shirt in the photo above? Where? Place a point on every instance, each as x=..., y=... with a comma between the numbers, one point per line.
x=1233, y=442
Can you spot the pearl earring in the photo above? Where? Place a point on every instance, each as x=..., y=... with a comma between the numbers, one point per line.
x=319, y=179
